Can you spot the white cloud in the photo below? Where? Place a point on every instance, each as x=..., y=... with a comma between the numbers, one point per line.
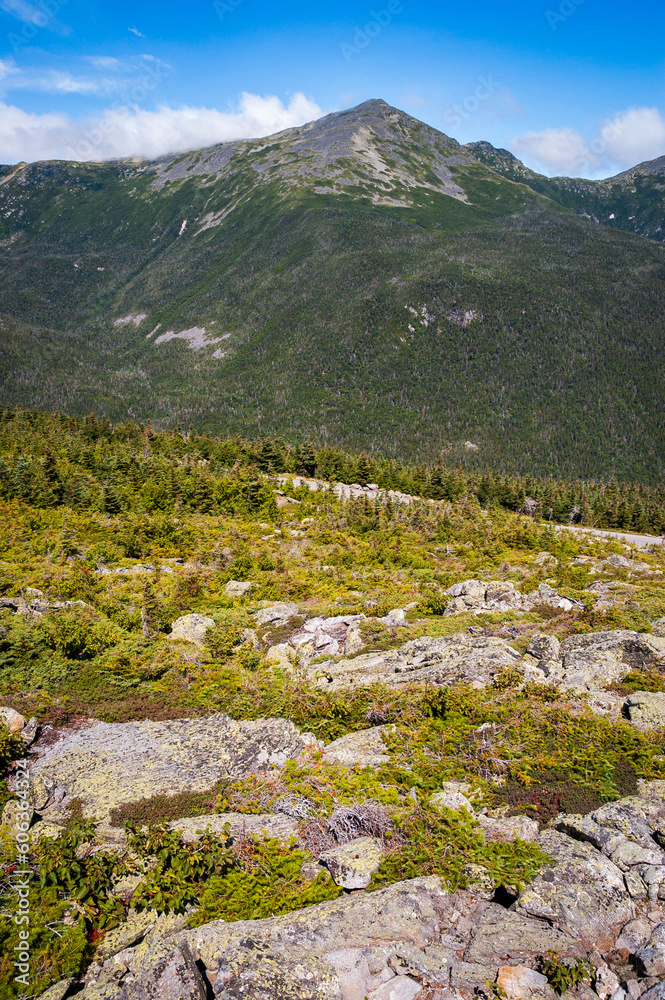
x=560, y=150
x=135, y=31
x=132, y=131
x=104, y=62
x=634, y=136
x=7, y=66
x=25, y=11
x=627, y=139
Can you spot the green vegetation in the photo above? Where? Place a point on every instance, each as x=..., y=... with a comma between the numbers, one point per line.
x=109, y=533
x=508, y=333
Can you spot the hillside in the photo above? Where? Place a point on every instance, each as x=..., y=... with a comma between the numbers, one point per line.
x=363, y=281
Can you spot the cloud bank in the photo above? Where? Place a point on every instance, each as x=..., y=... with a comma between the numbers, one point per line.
x=629, y=138
x=128, y=130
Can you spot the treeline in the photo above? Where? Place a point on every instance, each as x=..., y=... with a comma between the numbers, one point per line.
x=49, y=460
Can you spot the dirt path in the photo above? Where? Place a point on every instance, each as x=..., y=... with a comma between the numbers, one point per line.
x=638, y=541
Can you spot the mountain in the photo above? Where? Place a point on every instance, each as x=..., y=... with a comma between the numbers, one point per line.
x=362, y=280
x=633, y=200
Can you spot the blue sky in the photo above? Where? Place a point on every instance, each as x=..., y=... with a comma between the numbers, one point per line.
x=570, y=87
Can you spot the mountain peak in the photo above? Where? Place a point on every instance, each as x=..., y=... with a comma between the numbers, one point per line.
x=372, y=150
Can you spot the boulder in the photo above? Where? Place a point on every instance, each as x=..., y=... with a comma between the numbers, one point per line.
x=409, y=913
x=238, y=588
x=14, y=721
x=593, y=661
x=452, y=796
x=353, y=642
x=519, y=982
x=645, y=709
x=352, y=865
x=110, y=764
x=400, y=988
x=278, y=614
x=280, y=656
x=364, y=748
x=191, y=628
x=580, y=890
x=458, y=658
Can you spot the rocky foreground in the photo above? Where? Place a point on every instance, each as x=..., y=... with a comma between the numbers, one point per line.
x=598, y=899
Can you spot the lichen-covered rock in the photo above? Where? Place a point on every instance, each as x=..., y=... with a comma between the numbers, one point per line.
x=275, y=825
x=658, y=627
x=110, y=764
x=508, y=828
x=16, y=817
x=646, y=709
x=406, y=912
x=352, y=865
x=544, y=647
x=453, y=795
x=591, y=662
x=364, y=748
x=191, y=628
x=503, y=934
x=464, y=658
x=580, y=890
x=58, y=991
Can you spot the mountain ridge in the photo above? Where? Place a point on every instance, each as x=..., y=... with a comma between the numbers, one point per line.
x=363, y=280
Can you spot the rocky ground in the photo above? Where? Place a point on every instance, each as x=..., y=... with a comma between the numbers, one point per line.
x=367, y=752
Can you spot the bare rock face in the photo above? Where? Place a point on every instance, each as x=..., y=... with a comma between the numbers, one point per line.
x=110, y=764
x=458, y=658
x=278, y=614
x=238, y=588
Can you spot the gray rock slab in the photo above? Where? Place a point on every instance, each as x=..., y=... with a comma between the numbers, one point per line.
x=110, y=764
x=592, y=661
x=502, y=935
x=365, y=748
x=458, y=658
x=275, y=825
x=409, y=912
x=353, y=864
x=581, y=891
